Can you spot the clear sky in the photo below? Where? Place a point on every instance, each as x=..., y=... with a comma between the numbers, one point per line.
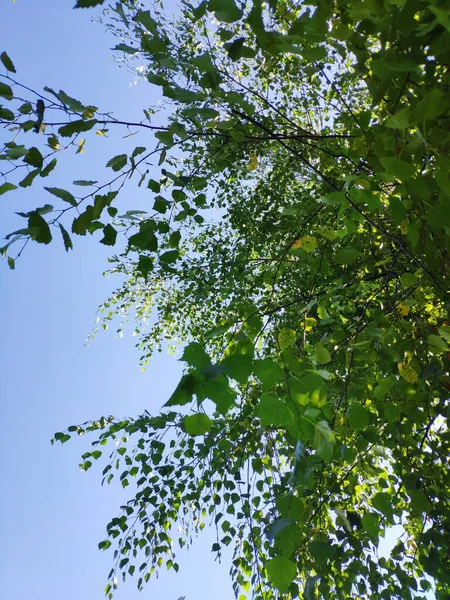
x=51, y=515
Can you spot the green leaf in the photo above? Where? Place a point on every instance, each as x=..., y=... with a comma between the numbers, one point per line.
x=183, y=392
x=347, y=255
x=238, y=367
x=324, y=440
x=308, y=389
x=358, y=416
x=161, y=205
x=382, y=501
x=76, y=127
x=398, y=167
x=286, y=338
x=371, y=525
x=197, y=424
x=48, y=168
x=237, y=49
x=281, y=572
x=7, y=187
x=28, y=179
x=195, y=356
x=226, y=10
x=109, y=235
x=118, y=162
x=146, y=238
x=443, y=181
x=63, y=194
x=6, y=114
x=6, y=91
x=268, y=372
x=88, y=4
x=83, y=182
x=444, y=330
x=71, y=103
x=400, y=120
x=7, y=62
x=82, y=222
x=397, y=209
x=126, y=48
x=34, y=158
x=273, y=411
x=169, y=257
x=26, y=108
x=66, y=238
x=408, y=279
x=322, y=354
x=61, y=437
x=145, y=265
x=39, y=229
x=334, y=199
x=439, y=215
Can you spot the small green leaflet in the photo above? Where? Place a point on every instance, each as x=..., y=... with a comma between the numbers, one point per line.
x=66, y=238
x=76, y=127
x=83, y=182
x=7, y=62
x=6, y=114
x=198, y=424
x=39, y=229
x=324, y=440
x=34, y=158
x=7, y=187
x=63, y=194
x=88, y=3
x=28, y=179
x=48, y=168
x=6, y=91
x=118, y=162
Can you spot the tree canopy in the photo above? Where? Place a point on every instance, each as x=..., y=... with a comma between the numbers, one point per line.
x=298, y=250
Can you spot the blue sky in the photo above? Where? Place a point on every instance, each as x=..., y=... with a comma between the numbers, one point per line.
x=51, y=515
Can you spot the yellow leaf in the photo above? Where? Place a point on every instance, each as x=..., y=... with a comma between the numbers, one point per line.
x=308, y=323
x=308, y=243
x=407, y=372
x=402, y=309
x=253, y=162
x=80, y=149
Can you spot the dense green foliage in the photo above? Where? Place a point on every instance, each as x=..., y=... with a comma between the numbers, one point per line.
x=298, y=247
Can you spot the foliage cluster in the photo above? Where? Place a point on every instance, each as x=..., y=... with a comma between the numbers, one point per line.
x=298, y=245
